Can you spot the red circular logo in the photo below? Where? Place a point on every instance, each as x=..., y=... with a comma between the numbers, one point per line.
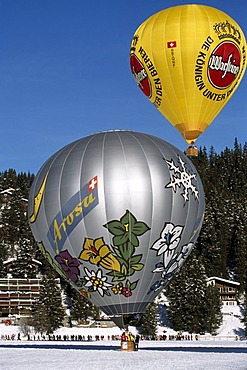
x=224, y=65
x=140, y=75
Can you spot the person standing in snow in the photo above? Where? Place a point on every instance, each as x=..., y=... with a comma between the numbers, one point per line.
x=137, y=339
x=130, y=337
x=123, y=337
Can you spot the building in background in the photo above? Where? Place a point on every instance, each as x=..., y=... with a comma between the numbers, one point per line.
x=228, y=290
x=17, y=297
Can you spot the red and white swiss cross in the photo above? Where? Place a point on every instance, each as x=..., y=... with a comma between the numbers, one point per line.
x=172, y=44
x=92, y=184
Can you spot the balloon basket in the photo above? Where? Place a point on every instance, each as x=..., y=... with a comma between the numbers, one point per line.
x=128, y=346
x=192, y=151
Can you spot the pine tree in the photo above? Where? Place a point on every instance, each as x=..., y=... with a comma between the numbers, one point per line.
x=11, y=215
x=3, y=257
x=24, y=266
x=187, y=301
x=212, y=310
x=149, y=321
x=80, y=308
x=48, y=312
x=208, y=246
x=177, y=304
x=245, y=314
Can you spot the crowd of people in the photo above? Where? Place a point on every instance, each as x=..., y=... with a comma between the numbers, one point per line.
x=34, y=337
x=11, y=337
x=125, y=337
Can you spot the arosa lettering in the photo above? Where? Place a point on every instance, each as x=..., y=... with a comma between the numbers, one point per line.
x=224, y=65
x=72, y=213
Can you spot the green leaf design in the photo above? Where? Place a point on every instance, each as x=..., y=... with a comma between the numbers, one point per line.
x=117, y=251
x=126, y=250
x=115, y=227
x=140, y=228
x=122, y=261
x=131, y=271
x=137, y=266
x=119, y=240
x=133, y=285
x=135, y=259
x=127, y=218
x=133, y=240
x=124, y=243
x=124, y=270
x=127, y=284
x=119, y=278
x=127, y=229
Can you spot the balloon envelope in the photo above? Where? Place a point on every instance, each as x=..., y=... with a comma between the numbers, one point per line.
x=116, y=214
x=189, y=60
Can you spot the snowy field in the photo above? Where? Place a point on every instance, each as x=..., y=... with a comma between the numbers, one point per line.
x=222, y=352
x=106, y=355
x=214, y=354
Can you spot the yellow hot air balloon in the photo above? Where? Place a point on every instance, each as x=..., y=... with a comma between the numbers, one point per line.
x=189, y=60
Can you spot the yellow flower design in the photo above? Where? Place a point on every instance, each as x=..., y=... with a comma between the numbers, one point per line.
x=98, y=253
x=118, y=289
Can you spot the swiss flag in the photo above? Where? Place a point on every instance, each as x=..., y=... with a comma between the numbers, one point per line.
x=172, y=44
x=93, y=183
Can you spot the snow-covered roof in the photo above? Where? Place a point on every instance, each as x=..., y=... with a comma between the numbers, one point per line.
x=37, y=262
x=223, y=280
x=8, y=191
x=9, y=261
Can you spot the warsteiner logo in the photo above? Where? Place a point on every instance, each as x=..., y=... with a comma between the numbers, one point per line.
x=145, y=74
x=224, y=65
x=140, y=75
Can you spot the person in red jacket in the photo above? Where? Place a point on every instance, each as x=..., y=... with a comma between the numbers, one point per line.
x=123, y=337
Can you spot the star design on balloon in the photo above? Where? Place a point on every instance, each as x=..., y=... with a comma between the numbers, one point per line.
x=181, y=177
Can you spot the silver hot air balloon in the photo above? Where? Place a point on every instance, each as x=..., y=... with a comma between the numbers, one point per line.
x=116, y=214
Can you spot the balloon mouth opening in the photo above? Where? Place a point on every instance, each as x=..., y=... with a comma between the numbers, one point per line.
x=191, y=136
x=126, y=320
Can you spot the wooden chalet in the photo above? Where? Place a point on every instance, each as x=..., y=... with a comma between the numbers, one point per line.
x=228, y=290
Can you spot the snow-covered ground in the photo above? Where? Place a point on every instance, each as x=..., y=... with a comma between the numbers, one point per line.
x=169, y=355
x=207, y=353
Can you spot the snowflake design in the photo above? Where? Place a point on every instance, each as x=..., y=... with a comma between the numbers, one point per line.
x=182, y=177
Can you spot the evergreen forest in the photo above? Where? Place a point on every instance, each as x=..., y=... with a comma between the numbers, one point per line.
x=221, y=249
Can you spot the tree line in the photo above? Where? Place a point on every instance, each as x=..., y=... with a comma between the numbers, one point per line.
x=221, y=249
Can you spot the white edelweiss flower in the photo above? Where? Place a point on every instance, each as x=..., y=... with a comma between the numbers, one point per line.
x=96, y=281
x=170, y=238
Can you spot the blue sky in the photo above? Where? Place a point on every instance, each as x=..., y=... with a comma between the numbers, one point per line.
x=64, y=72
